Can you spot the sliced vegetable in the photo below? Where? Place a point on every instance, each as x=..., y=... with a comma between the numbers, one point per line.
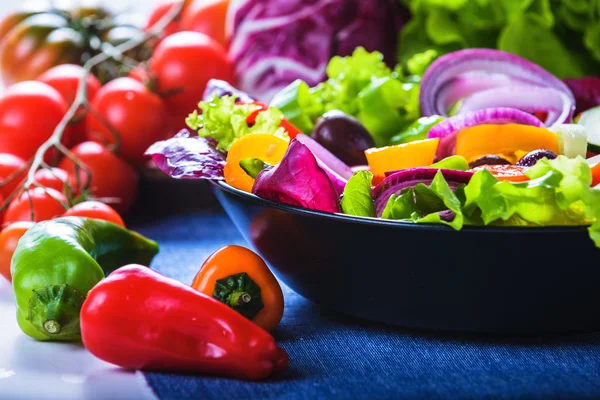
x=486, y=78
x=298, y=180
x=513, y=173
x=508, y=140
x=358, y=199
x=448, y=129
x=572, y=139
x=590, y=120
x=76, y=253
x=139, y=319
x=458, y=163
x=185, y=157
x=269, y=149
x=221, y=88
x=240, y=279
x=395, y=183
x=409, y=155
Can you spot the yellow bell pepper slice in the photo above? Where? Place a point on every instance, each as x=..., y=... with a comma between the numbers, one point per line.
x=268, y=148
x=510, y=140
x=401, y=156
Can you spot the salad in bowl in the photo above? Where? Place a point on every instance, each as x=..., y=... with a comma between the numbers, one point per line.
x=476, y=137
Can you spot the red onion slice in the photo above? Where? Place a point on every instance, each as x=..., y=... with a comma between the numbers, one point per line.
x=526, y=98
x=448, y=129
x=466, y=72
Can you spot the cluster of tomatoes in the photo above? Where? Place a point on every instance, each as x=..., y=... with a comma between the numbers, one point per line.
x=106, y=141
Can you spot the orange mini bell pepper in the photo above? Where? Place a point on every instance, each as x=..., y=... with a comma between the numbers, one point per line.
x=239, y=278
x=508, y=140
x=401, y=156
x=267, y=148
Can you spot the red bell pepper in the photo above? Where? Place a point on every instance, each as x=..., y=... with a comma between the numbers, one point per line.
x=291, y=130
x=139, y=319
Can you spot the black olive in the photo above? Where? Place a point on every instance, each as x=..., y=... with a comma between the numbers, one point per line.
x=344, y=136
x=529, y=159
x=490, y=159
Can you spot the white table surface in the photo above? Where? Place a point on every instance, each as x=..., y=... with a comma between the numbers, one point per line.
x=61, y=371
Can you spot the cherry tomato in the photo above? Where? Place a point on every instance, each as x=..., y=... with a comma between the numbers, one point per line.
x=9, y=164
x=111, y=177
x=54, y=178
x=160, y=11
x=65, y=79
x=29, y=113
x=208, y=17
x=97, y=210
x=183, y=63
x=9, y=238
x=138, y=115
x=506, y=172
x=47, y=204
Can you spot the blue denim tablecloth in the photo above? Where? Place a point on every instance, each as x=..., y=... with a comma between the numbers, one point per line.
x=336, y=357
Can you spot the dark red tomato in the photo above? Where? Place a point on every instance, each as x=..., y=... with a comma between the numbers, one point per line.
x=183, y=63
x=112, y=178
x=65, y=79
x=54, y=178
x=208, y=17
x=9, y=165
x=138, y=116
x=96, y=210
x=29, y=113
x=36, y=204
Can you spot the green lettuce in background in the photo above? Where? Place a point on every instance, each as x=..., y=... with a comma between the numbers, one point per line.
x=563, y=36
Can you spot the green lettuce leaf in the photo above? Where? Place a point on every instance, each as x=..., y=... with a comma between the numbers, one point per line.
x=357, y=199
x=225, y=121
x=424, y=204
x=455, y=162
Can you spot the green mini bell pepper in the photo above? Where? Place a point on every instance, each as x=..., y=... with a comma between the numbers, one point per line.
x=57, y=262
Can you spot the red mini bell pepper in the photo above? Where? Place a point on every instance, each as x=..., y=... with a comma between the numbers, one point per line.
x=139, y=319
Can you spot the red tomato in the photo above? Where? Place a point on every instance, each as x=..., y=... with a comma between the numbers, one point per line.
x=29, y=113
x=183, y=63
x=9, y=238
x=208, y=17
x=160, y=11
x=65, y=79
x=54, y=178
x=112, y=177
x=138, y=115
x=513, y=173
x=9, y=164
x=97, y=210
x=47, y=204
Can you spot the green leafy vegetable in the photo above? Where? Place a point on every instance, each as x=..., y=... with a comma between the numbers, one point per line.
x=563, y=36
x=417, y=130
x=361, y=85
x=224, y=121
x=357, y=199
x=427, y=204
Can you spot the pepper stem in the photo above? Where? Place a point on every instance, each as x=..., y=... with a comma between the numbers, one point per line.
x=241, y=293
x=239, y=298
x=54, y=311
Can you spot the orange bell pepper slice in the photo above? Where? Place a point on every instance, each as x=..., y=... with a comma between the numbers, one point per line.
x=268, y=148
x=595, y=174
x=401, y=156
x=508, y=139
x=220, y=277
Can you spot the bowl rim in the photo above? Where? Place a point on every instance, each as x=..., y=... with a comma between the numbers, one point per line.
x=371, y=221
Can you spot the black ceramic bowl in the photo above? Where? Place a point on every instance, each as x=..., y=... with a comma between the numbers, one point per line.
x=497, y=280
